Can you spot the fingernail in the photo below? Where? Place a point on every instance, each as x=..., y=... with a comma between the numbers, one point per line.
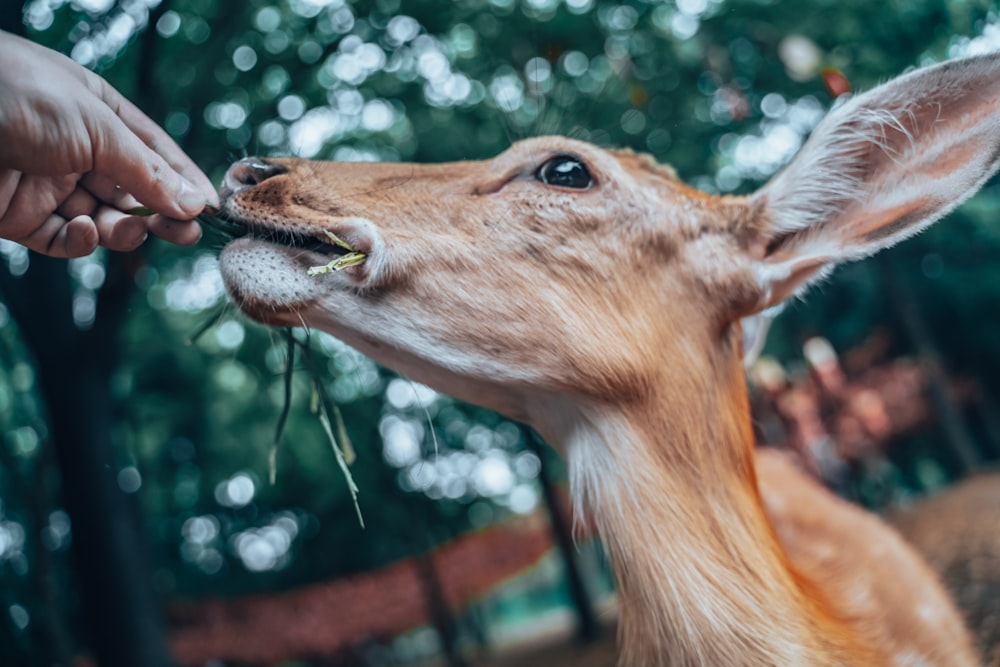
x=213, y=198
x=190, y=199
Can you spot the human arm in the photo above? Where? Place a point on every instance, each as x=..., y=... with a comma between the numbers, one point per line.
x=75, y=156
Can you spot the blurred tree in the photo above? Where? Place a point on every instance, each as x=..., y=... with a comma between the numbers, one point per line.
x=73, y=374
x=726, y=90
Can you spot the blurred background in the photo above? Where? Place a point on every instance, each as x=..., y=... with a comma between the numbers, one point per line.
x=138, y=523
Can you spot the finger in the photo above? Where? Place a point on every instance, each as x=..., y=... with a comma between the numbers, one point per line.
x=118, y=231
x=79, y=202
x=77, y=238
x=176, y=231
x=109, y=192
x=181, y=232
x=158, y=140
x=121, y=156
x=58, y=237
x=31, y=201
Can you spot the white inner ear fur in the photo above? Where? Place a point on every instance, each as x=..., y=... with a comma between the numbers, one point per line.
x=878, y=169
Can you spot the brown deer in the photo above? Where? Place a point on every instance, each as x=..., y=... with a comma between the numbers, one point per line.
x=592, y=295
x=957, y=532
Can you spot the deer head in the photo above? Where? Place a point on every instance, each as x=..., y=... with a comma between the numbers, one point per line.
x=549, y=268
x=558, y=266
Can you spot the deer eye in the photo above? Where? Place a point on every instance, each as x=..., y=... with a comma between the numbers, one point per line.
x=565, y=172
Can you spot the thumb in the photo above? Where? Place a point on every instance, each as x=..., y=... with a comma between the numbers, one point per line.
x=122, y=157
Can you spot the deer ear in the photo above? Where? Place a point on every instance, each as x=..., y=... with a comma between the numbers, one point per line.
x=876, y=170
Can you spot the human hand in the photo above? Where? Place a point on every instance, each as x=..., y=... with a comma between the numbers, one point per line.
x=76, y=156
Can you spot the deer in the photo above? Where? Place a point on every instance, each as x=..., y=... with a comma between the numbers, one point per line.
x=592, y=295
x=956, y=533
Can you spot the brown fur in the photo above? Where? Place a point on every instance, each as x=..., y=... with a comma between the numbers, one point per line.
x=958, y=533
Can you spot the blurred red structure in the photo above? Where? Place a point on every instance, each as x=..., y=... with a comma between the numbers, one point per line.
x=337, y=620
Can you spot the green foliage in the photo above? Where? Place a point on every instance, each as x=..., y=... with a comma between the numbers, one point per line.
x=428, y=80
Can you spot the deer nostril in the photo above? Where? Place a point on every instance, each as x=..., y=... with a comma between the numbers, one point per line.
x=250, y=171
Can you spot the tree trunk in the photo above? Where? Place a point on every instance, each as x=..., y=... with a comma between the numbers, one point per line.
x=587, y=627
x=73, y=374
x=957, y=435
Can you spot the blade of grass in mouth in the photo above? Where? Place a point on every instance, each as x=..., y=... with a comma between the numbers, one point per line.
x=211, y=217
x=216, y=221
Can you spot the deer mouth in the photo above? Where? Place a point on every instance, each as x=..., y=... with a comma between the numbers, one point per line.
x=255, y=205
x=325, y=243
x=343, y=245
x=339, y=253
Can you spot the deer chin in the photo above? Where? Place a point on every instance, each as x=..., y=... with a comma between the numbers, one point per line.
x=268, y=273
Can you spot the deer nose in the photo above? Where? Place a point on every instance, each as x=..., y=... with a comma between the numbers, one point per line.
x=249, y=172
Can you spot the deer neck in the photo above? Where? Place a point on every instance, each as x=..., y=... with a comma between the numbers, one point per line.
x=670, y=485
